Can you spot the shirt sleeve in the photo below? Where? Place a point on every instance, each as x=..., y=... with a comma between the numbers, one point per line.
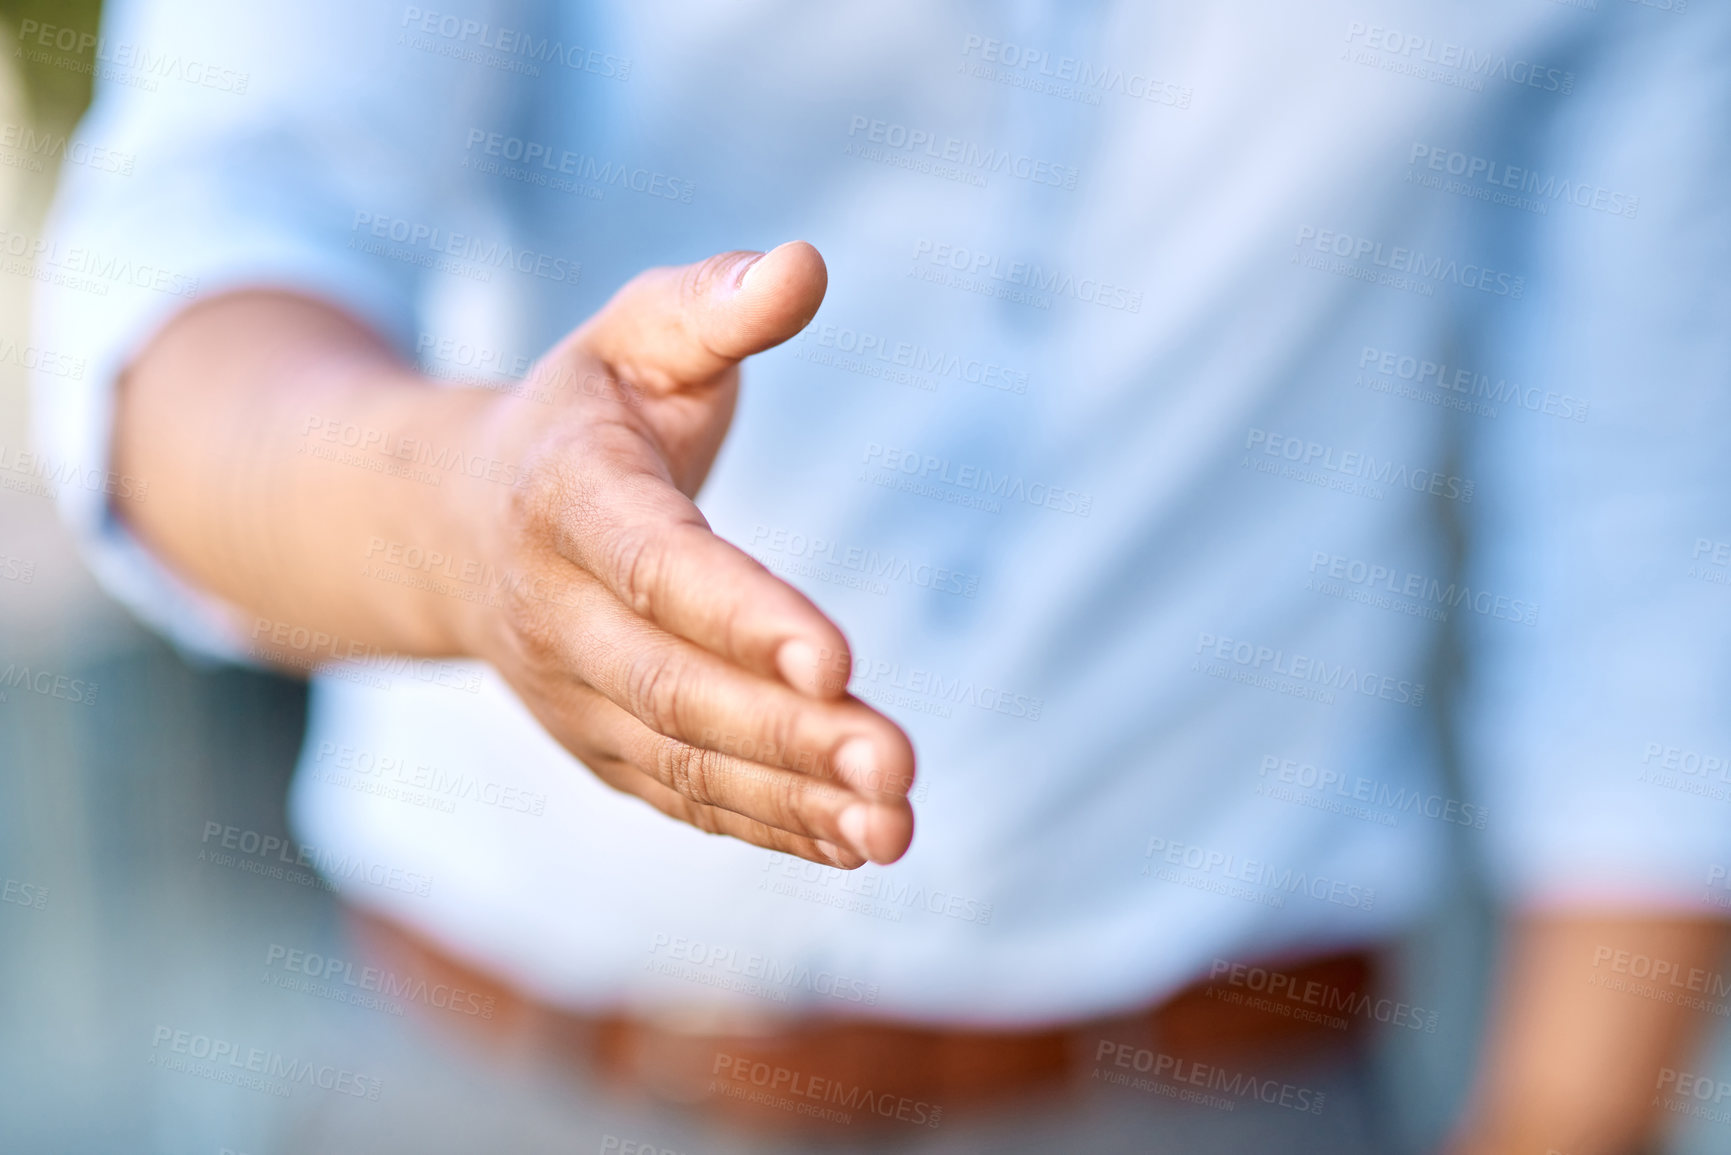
x=1599, y=733
x=233, y=146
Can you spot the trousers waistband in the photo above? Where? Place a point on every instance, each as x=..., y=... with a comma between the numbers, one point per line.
x=776, y=1075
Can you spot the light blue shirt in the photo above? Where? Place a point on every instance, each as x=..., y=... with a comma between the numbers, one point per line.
x=1194, y=380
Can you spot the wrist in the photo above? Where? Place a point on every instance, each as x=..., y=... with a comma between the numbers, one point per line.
x=410, y=482
x=462, y=449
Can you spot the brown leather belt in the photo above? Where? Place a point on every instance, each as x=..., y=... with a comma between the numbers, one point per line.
x=786, y=1076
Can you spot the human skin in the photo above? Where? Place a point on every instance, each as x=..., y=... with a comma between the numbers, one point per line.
x=675, y=666
x=1572, y=1063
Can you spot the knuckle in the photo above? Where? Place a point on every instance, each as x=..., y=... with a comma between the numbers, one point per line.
x=532, y=501
x=735, y=626
x=530, y=610
x=695, y=280
x=793, y=798
x=636, y=559
x=778, y=737
x=552, y=505
x=534, y=627
x=685, y=769
x=656, y=683
x=543, y=483
x=571, y=475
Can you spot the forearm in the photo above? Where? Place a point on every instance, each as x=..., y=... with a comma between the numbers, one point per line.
x=1571, y=1064
x=290, y=457
x=273, y=430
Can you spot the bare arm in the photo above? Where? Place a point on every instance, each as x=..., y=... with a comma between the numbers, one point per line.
x=280, y=438
x=1572, y=1064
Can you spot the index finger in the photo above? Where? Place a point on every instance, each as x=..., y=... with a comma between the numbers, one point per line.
x=655, y=552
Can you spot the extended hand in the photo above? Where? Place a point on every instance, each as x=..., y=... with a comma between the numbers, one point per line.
x=674, y=665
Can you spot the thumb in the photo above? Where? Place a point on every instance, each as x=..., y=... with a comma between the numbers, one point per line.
x=671, y=328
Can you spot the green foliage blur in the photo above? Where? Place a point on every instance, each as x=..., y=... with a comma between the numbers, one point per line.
x=56, y=84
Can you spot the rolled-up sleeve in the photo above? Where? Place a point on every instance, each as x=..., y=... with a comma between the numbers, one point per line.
x=1597, y=720
x=229, y=146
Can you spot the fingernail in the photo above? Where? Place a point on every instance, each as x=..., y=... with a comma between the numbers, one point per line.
x=797, y=660
x=856, y=762
x=745, y=270
x=853, y=823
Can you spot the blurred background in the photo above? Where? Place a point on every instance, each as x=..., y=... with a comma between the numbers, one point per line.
x=118, y=919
